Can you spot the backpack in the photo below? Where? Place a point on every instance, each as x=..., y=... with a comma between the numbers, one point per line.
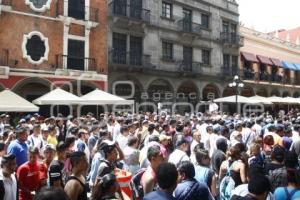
x=278, y=178
x=138, y=190
x=227, y=185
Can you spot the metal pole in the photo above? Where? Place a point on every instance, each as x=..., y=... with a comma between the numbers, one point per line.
x=236, y=101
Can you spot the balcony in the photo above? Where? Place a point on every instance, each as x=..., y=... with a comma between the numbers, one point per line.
x=232, y=39
x=128, y=12
x=75, y=63
x=186, y=26
x=4, y=57
x=189, y=67
x=228, y=71
x=248, y=74
x=6, y=3
x=129, y=60
x=86, y=13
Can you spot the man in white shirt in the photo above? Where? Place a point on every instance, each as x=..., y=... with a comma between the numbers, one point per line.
x=122, y=138
x=8, y=190
x=117, y=128
x=35, y=139
x=179, y=154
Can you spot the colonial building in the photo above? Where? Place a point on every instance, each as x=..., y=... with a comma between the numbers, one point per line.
x=53, y=42
x=269, y=65
x=172, y=50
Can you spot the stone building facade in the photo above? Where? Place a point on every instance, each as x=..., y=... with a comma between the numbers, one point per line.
x=172, y=51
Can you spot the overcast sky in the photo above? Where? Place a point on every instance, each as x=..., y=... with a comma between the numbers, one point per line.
x=269, y=15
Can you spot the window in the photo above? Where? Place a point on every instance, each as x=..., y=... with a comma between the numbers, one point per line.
x=35, y=47
x=226, y=61
x=205, y=20
x=76, y=9
x=167, y=10
x=119, y=48
x=136, y=49
x=234, y=62
x=76, y=55
x=167, y=50
x=225, y=27
x=39, y=5
x=206, y=57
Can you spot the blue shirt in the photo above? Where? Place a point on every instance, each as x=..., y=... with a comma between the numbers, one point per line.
x=20, y=150
x=94, y=168
x=158, y=195
x=280, y=194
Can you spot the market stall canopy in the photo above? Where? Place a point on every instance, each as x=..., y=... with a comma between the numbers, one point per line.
x=231, y=99
x=260, y=99
x=11, y=102
x=57, y=97
x=99, y=97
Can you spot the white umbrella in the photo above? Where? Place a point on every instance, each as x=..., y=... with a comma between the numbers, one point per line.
x=275, y=99
x=291, y=100
x=260, y=99
x=11, y=102
x=99, y=97
x=57, y=97
x=232, y=99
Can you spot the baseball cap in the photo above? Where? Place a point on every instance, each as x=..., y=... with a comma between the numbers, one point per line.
x=49, y=147
x=107, y=146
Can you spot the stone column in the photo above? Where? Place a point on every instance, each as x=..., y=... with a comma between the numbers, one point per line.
x=292, y=77
x=255, y=67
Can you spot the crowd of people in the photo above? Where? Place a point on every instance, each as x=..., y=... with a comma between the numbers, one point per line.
x=202, y=156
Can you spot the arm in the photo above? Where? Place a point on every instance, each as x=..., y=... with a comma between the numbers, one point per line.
x=73, y=189
x=213, y=186
x=120, y=152
x=222, y=171
x=243, y=173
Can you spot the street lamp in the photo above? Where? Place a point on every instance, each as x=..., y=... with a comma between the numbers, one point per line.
x=237, y=83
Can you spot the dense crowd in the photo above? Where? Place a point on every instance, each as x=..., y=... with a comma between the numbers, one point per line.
x=202, y=156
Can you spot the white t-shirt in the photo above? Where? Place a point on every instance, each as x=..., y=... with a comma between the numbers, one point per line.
x=178, y=156
x=242, y=191
x=122, y=141
x=10, y=186
x=35, y=141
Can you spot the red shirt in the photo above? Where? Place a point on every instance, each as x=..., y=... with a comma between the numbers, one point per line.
x=29, y=178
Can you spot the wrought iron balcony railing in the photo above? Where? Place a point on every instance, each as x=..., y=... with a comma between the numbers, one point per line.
x=136, y=59
x=75, y=63
x=187, y=26
x=6, y=2
x=189, y=66
x=129, y=11
x=4, y=57
x=232, y=39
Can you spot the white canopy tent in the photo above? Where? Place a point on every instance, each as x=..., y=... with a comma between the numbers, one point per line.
x=284, y=100
x=292, y=100
x=11, y=102
x=260, y=99
x=232, y=99
x=99, y=97
x=58, y=97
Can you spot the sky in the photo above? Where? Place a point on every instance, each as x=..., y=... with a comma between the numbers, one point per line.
x=269, y=15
